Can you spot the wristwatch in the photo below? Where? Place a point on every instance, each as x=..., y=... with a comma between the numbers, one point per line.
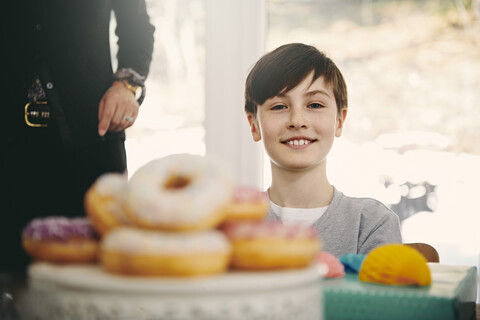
x=136, y=90
x=133, y=82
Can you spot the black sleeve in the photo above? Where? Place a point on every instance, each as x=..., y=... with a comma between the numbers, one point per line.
x=135, y=35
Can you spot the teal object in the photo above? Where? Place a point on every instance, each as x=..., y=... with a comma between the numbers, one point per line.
x=352, y=262
x=451, y=296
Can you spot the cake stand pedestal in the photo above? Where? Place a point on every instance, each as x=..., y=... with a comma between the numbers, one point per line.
x=87, y=292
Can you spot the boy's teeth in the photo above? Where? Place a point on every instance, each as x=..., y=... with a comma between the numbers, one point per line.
x=300, y=142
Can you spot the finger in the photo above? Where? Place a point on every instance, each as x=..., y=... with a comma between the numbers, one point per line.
x=129, y=116
x=129, y=121
x=135, y=110
x=103, y=122
x=118, y=123
x=107, y=115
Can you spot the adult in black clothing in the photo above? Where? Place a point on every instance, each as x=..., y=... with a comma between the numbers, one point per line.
x=63, y=108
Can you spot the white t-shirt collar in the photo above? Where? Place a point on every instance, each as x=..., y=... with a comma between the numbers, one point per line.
x=305, y=216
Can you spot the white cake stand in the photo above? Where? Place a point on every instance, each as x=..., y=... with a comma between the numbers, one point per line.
x=87, y=292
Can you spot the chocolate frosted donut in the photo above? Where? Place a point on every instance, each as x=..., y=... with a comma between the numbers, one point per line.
x=60, y=239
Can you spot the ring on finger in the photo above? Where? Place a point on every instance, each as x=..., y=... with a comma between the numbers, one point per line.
x=128, y=119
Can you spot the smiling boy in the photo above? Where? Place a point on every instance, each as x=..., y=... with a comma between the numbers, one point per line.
x=296, y=103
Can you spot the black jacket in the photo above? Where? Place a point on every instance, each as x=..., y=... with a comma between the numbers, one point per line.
x=67, y=43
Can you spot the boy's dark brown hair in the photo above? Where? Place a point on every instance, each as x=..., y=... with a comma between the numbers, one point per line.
x=284, y=68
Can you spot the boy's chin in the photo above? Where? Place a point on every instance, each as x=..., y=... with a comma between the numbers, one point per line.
x=298, y=166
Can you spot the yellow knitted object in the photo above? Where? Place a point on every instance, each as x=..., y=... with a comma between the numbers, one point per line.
x=395, y=264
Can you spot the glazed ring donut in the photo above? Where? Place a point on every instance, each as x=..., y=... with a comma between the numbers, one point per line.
x=267, y=246
x=61, y=239
x=103, y=202
x=248, y=204
x=179, y=192
x=131, y=251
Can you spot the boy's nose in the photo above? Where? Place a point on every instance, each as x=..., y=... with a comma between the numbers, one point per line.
x=297, y=119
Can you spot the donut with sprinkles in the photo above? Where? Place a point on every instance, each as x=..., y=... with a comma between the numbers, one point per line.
x=61, y=240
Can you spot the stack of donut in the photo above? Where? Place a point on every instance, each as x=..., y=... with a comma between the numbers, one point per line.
x=181, y=216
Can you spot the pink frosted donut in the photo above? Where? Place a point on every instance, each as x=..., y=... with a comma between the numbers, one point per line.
x=264, y=246
x=248, y=203
x=60, y=239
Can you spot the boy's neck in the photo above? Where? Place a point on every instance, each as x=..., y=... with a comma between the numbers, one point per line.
x=300, y=189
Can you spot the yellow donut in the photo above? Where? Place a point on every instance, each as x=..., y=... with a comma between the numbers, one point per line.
x=131, y=251
x=103, y=202
x=180, y=192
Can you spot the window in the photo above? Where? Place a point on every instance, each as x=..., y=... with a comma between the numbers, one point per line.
x=194, y=100
x=411, y=138
x=171, y=117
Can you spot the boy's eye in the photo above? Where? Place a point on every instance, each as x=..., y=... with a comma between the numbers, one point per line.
x=315, y=106
x=278, y=107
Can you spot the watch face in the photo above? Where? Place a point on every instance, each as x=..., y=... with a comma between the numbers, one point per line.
x=135, y=89
x=137, y=92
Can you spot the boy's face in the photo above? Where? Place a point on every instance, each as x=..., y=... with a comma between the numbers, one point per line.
x=298, y=127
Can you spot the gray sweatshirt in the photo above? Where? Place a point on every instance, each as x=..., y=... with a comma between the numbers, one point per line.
x=354, y=225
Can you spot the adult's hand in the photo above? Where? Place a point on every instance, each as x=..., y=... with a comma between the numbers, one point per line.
x=118, y=109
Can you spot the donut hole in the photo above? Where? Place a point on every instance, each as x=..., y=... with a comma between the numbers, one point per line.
x=177, y=182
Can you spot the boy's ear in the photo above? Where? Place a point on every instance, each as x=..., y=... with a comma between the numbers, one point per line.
x=254, y=127
x=340, y=121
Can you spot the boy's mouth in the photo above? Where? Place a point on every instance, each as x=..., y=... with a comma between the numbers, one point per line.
x=298, y=141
